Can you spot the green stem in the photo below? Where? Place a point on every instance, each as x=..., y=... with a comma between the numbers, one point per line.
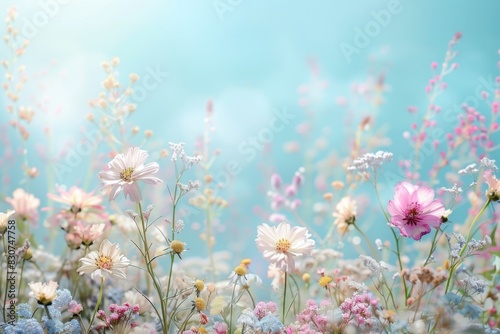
x=231, y=307
x=372, y=249
x=21, y=280
x=47, y=311
x=99, y=299
x=168, y=286
x=149, y=266
x=398, y=252
x=284, y=299
x=462, y=251
x=433, y=247
x=251, y=297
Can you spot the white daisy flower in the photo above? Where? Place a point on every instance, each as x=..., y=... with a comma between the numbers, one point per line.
x=107, y=261
x=281, y=245
x=125, y=170
x=44, y=293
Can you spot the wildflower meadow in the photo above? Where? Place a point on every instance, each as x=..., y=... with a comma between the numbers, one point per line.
x=339, y=214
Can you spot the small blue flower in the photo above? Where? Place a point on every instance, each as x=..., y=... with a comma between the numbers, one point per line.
x=24, y=326
x=63, y=299
x=54, y=326
x=270, y=324
x=24, y=310
x=72, y=327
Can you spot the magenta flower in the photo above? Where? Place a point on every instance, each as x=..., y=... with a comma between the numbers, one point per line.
x=414, y=210
x=125, y=170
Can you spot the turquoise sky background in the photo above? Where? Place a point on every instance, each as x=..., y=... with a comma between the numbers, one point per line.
x=249, y=57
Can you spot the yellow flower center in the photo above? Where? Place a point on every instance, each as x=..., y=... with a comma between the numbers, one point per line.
x=199, y=284
x=306, y=277
x=126, y=174
x=43, y=299
x=177, y=246
x=199, y=304
x=283, y=245
x=324, y=281
x=104, y=262
x=240, y=270
x=246, y=262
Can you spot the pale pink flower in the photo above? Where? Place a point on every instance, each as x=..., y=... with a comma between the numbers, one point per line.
x=282, y=244
x=220, y=328
x=107, y=261
x=25, y=205
x=88, y=233
x=345, y=214
x=276, y=274
x=74, y=307
x=493, y=191
x=44, y=293
x=80, y=205
x=414, y=210
x=125, y=170
x=73, y=240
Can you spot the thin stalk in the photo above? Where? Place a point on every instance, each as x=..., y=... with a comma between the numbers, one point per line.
x=150, y=270
x=372, y=249
x=231, y=307
x=284, y=299
x=21, y=279
x=99, y=300
x=396, y=239
x=47, y=311
x=469, y=237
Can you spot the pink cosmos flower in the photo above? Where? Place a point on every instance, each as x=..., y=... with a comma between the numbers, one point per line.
x=125, y=170
x=414, y=210
x=280, y=245
x=80, y=205
x=25, y=205
x=88, y=233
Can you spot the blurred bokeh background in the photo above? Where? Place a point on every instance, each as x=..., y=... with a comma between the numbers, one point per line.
x=254, y=60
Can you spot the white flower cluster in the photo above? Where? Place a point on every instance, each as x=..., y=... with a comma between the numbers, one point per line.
x=179, y=225
x=358, y=287
x=472, y=247
x=376, y=267
x=471, y=169
x=178, y=153
x=370, y=161
x=455, y=190
x=472, y=284
x=488, y=164
x=192, y=185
